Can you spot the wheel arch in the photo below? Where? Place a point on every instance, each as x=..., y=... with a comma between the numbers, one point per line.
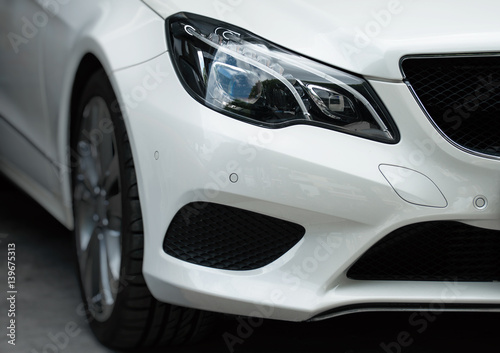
x=98, y=45
x=89, y=64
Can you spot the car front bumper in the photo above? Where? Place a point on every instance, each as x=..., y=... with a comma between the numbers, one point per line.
x=328, y=182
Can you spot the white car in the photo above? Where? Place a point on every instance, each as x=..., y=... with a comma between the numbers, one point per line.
x=292, y=160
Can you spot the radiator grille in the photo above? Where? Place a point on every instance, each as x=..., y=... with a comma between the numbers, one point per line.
x=462, y=97
x=433, y=251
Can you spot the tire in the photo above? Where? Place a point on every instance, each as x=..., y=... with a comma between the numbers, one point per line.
x=109, y=236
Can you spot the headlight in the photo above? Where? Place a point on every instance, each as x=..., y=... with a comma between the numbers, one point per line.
x=245, y=77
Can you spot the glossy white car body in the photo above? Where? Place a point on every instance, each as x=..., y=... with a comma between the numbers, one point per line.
x=333, y=184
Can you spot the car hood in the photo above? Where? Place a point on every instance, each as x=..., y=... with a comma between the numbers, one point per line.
x=368, y=37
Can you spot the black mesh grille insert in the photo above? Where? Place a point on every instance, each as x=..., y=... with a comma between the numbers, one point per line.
x=433, y=251
x=229, y=238
x=462, y=96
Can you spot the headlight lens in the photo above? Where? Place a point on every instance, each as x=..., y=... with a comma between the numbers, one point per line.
x=246, y=77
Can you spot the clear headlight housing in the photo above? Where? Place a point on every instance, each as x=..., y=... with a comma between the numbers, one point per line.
x=243, y=76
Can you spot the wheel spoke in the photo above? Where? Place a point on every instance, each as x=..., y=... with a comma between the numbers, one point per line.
x=87, y=167
x=86, y=227
x=113, y=248
x=104, y=272
x=88, y=265
x=89, y=118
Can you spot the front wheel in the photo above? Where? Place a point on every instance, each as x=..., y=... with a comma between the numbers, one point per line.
x=109, y=234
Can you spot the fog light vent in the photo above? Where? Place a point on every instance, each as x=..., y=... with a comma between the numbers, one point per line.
x=223, y=237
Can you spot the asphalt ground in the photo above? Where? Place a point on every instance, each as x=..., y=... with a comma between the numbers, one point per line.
x=49, y=317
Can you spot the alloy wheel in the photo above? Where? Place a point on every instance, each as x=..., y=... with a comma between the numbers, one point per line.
x=98, y=209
